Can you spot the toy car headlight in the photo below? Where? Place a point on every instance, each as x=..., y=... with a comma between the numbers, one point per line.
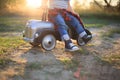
x=23, y=32
x=36, y=35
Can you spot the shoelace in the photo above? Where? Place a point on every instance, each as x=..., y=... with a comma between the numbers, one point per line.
x=71, y=44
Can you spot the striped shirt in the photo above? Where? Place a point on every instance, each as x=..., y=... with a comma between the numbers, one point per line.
x=62, y=4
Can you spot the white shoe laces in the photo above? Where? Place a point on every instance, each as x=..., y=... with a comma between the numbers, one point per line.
x=75, y=47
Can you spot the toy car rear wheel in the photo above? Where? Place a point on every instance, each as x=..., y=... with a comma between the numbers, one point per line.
x=80, y=42
x=48, y=42
x=79, y=39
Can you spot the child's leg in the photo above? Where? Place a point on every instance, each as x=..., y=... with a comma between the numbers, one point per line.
x=78, y=27
x=62, y=28
x=76, y=24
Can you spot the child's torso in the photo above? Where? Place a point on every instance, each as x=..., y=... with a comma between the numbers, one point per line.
x=62, y=4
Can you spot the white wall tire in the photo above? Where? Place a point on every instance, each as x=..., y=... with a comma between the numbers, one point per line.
x=48, y=42
x=80, y=42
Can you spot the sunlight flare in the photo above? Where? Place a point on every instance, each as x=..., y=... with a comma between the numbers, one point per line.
x=33, y=3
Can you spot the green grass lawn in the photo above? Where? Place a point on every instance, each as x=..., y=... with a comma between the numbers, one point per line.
x=10, y=25
x=7, y=44
x=99, y=20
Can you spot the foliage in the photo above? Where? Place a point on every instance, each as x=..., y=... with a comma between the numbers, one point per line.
x=99, y=5
x=4, y=3
x=108, y=6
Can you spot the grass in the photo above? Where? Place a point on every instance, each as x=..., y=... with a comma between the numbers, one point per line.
x=69, y=63
x=9, y=25
x=12, y=24
x=4, y=60
x=113, y=59
x=7, y=44
x=111, y=32
x=34, y=66
x=99, y=19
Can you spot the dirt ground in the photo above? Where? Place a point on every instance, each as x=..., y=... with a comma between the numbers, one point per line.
x=89, y=63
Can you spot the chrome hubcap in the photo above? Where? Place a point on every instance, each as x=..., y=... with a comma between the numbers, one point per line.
x=49, y=42
x=80, y=41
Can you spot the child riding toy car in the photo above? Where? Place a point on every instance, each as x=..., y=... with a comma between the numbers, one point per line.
x=43, y=32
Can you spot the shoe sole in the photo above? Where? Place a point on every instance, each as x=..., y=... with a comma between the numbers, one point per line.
x=71, y=50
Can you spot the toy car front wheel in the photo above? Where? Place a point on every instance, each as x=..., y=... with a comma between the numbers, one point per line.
x=48, y=42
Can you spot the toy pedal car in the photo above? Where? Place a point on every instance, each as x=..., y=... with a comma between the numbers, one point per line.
x=43, y=32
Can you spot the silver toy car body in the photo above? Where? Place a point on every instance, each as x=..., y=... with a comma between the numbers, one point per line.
x=40, y=32
x=43, y=32
x=34, y=27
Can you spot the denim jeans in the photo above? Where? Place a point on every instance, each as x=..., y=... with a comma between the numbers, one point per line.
x=62, y=26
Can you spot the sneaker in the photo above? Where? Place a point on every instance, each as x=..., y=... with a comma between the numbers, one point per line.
x=71, y=47
x=86, y=38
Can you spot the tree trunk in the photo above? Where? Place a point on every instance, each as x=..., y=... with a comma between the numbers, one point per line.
x=98, y=4
x=118, y=5
x=107, y=3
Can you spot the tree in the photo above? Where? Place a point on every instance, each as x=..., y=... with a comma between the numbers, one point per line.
x=4, y=3
x=108, y=6
x=118, y=5
x=108, y=3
